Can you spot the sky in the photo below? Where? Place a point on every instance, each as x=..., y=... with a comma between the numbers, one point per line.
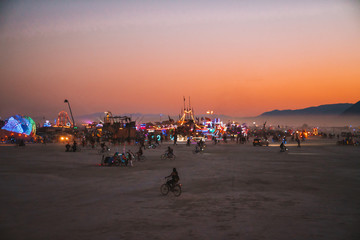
x=238, y=58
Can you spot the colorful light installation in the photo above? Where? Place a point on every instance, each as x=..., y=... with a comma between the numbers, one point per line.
x=20, y=124
x=47, y=123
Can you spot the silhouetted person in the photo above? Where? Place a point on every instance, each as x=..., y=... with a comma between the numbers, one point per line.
x=169, y=151
x=67, y=147
x=175, y=139
x=174, y=178
x=282, y=147
x=142, y=143
x=74, y=146
x=140, y=152
x=214, y=139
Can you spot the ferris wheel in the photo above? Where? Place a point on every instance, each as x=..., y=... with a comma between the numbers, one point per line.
x=63, y=120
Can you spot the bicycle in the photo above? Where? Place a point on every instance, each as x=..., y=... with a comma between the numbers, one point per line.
x=167, y=156
x=166, y=188
x=119, y=160
x=198, y=150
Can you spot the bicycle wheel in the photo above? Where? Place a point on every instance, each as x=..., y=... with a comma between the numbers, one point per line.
x=173, y=157
x=116, y=162
x=164, y=189
x=177, y=190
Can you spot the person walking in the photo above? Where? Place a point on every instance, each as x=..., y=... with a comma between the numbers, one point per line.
x=175, y=138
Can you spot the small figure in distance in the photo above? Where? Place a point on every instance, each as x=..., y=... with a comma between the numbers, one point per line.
x=283, y=148
x=129, y=157
x=201, y=144
x=298, y=142
x=140, y=152
x=225, y=138
x=188, y=142
x=174, y=178
x=215, y=140
x=142, y=143
x=74, y=146
x=83, y=142
x=169, y=151
x=175, y=138
x=67, y=146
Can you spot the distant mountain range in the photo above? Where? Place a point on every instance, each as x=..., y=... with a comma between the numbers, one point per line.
x=353, y=110
x=328, y=109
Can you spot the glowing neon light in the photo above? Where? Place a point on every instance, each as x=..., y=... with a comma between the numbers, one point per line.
x=47, y=123
x=20, y=124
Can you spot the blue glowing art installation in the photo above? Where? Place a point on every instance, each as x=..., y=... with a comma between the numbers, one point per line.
x=20, y=124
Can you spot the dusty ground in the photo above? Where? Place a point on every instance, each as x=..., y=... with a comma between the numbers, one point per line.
x=230, y=192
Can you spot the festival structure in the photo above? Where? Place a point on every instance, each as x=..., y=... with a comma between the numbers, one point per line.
x=63, y=120
x=21, y=125
x=118, y=127
x=187, y=125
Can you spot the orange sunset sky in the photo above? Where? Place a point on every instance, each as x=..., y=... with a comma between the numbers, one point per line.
x=239, y=58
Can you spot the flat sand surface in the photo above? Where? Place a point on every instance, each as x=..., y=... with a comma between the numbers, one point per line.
x=229, y=192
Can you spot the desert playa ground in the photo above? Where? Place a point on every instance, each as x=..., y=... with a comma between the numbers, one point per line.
x=229, y=192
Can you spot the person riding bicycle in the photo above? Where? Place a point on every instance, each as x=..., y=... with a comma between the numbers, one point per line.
x=169, y=152
x=174, y=178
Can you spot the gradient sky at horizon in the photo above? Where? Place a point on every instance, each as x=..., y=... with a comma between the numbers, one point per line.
x=238, y=58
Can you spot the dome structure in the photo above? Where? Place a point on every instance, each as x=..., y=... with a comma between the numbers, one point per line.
x=20, y=124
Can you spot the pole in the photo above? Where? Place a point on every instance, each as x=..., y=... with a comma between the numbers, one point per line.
x=72, y=117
